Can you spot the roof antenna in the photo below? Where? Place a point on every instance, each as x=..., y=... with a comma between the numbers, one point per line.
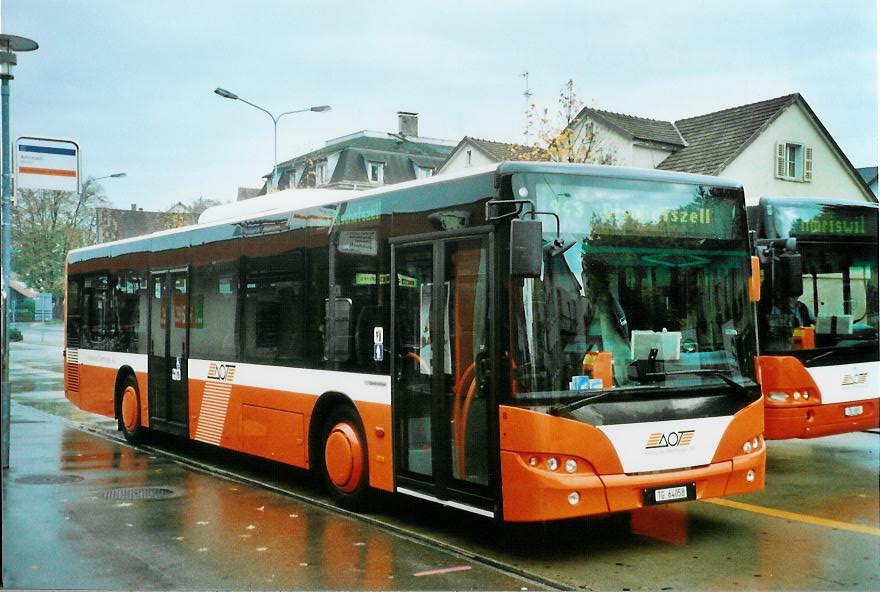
x=528, y=97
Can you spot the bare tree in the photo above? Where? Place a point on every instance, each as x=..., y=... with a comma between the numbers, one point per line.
x=45, y=226
x=563, y=137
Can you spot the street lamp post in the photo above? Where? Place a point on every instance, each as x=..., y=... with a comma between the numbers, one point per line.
x=231, y=95
x=9, y=44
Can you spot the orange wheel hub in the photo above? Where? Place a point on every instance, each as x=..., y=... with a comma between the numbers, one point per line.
x=343, y=457
x=129, y=409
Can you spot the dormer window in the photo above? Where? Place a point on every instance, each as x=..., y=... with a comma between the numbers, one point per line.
x=424, y=172
x=794, y=162
x=376, y=172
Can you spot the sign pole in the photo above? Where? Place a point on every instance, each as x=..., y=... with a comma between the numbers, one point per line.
x=7, y=264
x=8, y=45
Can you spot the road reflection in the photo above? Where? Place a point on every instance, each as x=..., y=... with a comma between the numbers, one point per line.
x=233, y=528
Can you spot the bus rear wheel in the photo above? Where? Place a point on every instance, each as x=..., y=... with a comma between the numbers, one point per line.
x=130, y=411
x=345, y=459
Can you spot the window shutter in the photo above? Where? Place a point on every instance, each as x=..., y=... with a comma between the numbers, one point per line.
x=780, y=160
x=808, y=164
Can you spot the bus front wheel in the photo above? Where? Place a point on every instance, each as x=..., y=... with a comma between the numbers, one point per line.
x=130, y=411
x=346, y=470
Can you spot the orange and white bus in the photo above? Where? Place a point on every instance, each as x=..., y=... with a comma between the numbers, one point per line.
x=526, y=341
x=820, y=364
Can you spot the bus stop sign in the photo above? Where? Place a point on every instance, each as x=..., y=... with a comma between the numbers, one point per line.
x=45, y=163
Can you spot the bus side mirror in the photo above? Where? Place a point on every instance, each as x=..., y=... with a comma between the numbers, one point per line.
x=526, y=252
x=789, y=280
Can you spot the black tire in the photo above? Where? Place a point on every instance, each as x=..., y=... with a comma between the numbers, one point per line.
x=130, y=418
x=344, y=424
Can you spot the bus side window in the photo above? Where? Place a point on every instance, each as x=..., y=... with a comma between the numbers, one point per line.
x=361, y=276
x=213, y=334
x=273, y=312
x=74, y=311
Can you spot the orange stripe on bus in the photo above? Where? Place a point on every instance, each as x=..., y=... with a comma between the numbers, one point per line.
x=50, y=172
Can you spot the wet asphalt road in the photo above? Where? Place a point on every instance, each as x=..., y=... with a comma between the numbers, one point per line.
x=816, y=525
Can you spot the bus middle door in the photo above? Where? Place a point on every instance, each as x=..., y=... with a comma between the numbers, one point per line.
x=168, y=352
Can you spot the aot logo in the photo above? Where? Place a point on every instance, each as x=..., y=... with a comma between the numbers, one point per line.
x=853, y=379
x=221, y=372
x=670, y=440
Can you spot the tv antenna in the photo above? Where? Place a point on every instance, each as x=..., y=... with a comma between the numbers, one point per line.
x=527, y=95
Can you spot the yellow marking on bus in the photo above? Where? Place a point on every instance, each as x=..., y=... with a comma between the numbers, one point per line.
x=805, y=518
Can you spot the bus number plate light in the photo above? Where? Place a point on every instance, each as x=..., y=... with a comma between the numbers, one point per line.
x=853, y=411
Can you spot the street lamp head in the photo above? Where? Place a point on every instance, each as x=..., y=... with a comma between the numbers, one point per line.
x=118, y=175
x=320, y=108
x=225, y=93
x=9, y=44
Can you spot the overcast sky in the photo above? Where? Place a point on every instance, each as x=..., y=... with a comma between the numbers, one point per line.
x=132, y=82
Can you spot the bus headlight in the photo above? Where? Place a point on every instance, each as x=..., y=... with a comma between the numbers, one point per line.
x=552, y=463
x=573, y=498
x=747, y=447
x=778, y=396
x=571, y=466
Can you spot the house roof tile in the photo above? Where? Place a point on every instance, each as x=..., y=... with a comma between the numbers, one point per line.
x=640, y=128
x=713, y=140
x=502, y=151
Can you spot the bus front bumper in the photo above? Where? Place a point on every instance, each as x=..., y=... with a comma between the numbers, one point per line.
x=781, y=423
x=535, y=494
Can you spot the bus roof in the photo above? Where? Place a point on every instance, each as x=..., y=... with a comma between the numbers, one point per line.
x=796, y=202
x=291, y=200
x=616, y=172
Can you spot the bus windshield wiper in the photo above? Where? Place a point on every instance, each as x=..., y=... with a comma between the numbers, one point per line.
x=820, y=356
x=560, y=408
x=710, y=371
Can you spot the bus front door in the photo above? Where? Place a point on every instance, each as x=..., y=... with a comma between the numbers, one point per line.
x=441, y=394
x=167, y=360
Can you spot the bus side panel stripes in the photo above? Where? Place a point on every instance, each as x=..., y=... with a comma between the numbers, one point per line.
x=247, y=408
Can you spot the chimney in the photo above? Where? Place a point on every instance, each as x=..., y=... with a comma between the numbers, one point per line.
x=134, y=207
x=408, y=123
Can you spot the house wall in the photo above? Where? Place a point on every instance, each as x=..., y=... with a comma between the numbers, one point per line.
x=332, y=161
x=611, y=141
x=458, y=161
x=648, y=158
x=755, y=166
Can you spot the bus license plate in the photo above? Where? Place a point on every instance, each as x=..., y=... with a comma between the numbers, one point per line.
x=670, y=494
x=853, y=411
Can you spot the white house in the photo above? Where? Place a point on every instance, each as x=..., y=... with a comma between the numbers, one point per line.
x=776, y=147
x=473, y=152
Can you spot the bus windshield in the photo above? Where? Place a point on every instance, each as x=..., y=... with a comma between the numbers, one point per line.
x=837, y=243
x=839, y=300
x=650, y=295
